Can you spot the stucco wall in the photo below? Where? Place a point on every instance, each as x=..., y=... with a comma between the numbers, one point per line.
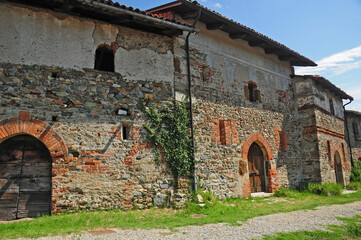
x=37, y=36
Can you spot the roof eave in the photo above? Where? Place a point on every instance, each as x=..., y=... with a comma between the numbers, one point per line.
x=328, y=85
x=239, y=31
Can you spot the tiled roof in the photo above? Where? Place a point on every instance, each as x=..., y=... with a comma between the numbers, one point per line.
x=328, y=85
x=114, y=13
x=353, y=112
x=233, y=27
x=135, y=10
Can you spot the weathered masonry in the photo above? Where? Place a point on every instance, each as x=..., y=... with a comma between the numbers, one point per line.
x=353, y=119
x=75, y=76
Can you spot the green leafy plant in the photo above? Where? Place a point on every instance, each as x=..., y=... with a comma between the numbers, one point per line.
x=356, y=172
x=325, y=189
x=354, y=186
x=168, y=131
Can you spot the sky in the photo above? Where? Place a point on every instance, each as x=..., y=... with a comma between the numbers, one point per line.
x=326, y=31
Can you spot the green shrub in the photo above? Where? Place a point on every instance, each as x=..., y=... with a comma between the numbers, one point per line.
x=356, y=172
x=282, y=192
x=325, y=189
x=354, y=186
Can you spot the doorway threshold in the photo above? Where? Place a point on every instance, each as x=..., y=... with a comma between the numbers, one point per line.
x=261, y=194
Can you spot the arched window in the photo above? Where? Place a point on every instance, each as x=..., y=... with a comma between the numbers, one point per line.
x=104, y=59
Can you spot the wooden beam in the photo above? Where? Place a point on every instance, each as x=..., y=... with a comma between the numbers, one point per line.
x=122, y=19
x=189, y=15
x=285, y=58
x=256, y=43
x=241, y=35
x=214, y=26
x=272, y=50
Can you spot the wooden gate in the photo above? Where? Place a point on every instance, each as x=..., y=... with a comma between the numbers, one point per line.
x=256, y=169
x=25, y=178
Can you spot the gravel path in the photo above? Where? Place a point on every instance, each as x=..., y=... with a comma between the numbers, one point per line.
x=309, y=220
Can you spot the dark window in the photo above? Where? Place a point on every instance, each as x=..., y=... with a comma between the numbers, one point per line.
x=125, y=133
x=332, y=109
x=355, y=131
x=104, y=59
x=252, y=93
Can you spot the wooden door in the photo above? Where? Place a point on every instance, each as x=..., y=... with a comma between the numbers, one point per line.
x=338, y=169
x=256, y=169
x=25, y=178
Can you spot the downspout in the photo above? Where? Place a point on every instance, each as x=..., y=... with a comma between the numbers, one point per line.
x=190, y=102
x=348, y=133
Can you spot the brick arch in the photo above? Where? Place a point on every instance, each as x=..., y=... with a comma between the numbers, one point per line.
x=258, y=138
x=261, y=141
x=24, y=124
x=333, y=148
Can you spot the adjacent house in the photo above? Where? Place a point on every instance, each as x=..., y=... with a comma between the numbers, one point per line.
x=76, y=74
x=353, y=119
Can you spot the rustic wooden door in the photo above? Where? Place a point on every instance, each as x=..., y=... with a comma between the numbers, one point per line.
x=25, y=178
x=338, y=169
x=256, y=169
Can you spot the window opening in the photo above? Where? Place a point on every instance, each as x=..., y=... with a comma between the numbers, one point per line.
x=104, y=59
x=125, y=133
x=332, y=109
x=251, y=92
x=356, y=131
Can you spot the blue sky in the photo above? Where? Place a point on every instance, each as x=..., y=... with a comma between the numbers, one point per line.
x=326, y=31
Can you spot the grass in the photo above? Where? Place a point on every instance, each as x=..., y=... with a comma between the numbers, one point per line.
x=229, y=211
x=350, y=230
x=326, y=189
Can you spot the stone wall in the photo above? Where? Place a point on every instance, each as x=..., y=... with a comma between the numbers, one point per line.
x=227, y=123
x=323, y=134
x=353, y=117
x=102, y=168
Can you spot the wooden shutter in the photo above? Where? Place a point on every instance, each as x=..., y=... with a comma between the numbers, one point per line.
x=246, y=92
x=258, y=95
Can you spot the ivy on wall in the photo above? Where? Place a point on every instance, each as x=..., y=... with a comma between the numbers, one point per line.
x=168, y=131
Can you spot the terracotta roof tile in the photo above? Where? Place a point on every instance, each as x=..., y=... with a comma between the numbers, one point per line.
x=137, y=10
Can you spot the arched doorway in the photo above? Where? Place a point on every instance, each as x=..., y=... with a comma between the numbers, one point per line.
x=25, y=178
x=338, y=168
x=256, y=169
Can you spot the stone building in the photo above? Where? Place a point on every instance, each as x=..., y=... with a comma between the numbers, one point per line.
x=353, y=119
x=75, y=75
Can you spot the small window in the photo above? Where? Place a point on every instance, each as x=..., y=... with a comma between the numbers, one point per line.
x=252, y=93
x=332, y=109
x=104, y=59
x=125, y=133
x=356, y=131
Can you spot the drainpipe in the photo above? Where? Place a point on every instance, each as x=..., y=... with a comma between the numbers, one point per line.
x=190, y=102
x=139, y=16
x=348, y=133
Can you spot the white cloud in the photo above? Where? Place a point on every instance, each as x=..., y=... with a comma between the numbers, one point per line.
x=335, y=64
x=355, y=92
x=217, y=5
